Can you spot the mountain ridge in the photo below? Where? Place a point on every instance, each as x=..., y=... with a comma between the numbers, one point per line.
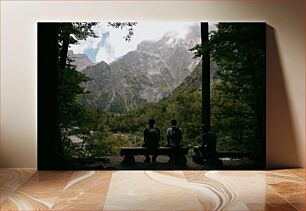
x=147, y=74
x=80, y=61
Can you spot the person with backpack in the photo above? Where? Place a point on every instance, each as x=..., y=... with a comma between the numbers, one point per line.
x=174, y=139
x=151, y=138
x=174, y=135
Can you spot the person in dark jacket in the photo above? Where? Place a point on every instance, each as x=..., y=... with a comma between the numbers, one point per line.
x=174, y=135
x=151, y=138
x=207, y=151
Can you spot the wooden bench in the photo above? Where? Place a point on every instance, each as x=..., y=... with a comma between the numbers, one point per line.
x=178, y=154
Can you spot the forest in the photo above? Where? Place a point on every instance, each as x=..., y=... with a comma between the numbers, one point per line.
x=237, y=97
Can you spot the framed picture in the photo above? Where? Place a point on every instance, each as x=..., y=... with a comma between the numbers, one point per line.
x=151, y=95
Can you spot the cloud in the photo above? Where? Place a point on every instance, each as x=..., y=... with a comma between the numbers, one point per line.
x=106, y=52
x=108, y=48
x=92, y=52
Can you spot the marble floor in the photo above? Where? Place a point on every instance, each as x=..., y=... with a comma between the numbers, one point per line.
x=28, y=189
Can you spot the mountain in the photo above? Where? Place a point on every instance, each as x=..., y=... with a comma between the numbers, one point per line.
x=191, y=83
x=147, y=74
x=194, y=80
x=79, y=60
x=183, y=104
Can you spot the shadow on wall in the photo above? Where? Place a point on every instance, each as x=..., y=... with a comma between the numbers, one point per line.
x=281, y=146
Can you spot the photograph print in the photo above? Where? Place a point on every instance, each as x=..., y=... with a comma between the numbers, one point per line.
x=151, y=95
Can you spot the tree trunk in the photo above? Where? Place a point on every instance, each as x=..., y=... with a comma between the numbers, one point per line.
x=50, y=149
x=205, y=78
x=64, y=49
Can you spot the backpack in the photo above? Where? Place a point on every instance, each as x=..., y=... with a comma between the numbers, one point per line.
x=176, y=135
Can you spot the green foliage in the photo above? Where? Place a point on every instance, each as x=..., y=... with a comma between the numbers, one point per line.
x=238, y=94
x=75, y=120
x=184, y=107
x=78, y=121
x=71, y=111
x=76, y=31
x=237, y=100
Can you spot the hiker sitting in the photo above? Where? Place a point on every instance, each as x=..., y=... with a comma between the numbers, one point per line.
x=207, y=151
x=151, y=137
x=174, y=139
x=174, y=135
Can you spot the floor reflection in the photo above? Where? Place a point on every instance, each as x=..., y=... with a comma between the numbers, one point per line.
x=28, y=189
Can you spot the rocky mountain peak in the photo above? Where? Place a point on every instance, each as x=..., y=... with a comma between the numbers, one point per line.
x=147, y=74
x=79, y=60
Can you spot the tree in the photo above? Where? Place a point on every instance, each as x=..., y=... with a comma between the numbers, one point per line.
x=70, y=33
x=75, y=118
x=58, y=88
x=239, y=89
x=49, y=145
x=128, y=25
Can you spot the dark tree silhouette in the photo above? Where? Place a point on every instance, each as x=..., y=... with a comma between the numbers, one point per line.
x=53, y=69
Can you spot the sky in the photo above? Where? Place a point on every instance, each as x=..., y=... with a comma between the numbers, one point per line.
x=110, y=44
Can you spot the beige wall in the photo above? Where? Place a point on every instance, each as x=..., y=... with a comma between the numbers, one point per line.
x=285, y=64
